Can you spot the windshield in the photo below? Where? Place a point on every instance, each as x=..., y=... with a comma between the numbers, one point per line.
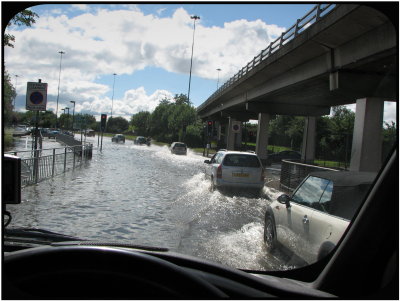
x=257, y=79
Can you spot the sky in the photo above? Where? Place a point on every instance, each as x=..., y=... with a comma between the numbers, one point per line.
x=148, y=48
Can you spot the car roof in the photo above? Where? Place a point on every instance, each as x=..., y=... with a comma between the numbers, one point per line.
x=346, y=178
x=227, y=152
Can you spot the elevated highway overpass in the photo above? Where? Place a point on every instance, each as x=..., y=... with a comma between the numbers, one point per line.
x=335, y=55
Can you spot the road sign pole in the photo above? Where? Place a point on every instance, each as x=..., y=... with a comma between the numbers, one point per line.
x=35, y=150
x=101, y=145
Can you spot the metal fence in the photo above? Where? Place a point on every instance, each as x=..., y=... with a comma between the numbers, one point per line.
x=46, y=163
x=313, y=16
x=292, y=173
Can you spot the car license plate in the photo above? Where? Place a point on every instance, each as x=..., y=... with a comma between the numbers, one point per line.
x=240, y=174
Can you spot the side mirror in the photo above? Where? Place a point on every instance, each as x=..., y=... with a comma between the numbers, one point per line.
x=207, y=161
x=284, y=199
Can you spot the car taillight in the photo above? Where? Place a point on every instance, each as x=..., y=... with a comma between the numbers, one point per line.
x=262, y=174
x=219, y=172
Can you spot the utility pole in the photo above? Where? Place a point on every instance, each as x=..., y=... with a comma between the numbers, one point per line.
x=112, y=99
x=73, y=115
x=191, y=59
x=58, y=93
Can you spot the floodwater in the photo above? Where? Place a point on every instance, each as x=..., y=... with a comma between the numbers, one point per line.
x=148, y=196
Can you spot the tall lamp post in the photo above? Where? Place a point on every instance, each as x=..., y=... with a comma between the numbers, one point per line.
x=67, y=117
x=16, y=79
x=59, y=78
x=112, y=99
x=191, y=59
x=218, y=69
x=73, y=115
x=63, y=112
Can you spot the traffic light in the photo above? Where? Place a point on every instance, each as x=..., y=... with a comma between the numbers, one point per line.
x=103, y=122
x=209, y=127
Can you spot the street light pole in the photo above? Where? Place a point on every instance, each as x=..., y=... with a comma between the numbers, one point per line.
x=67, y=118
x=59, y=78
x=112, y=99
x=218, y=69
x=191, y=59
x=73, y=115
x=63, y=112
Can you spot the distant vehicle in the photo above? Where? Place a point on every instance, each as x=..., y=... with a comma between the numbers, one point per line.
x=90, y=133
x=118, y=138
x=178, y=148
x=283, y=155
x=140, y=140
x=312, y=220
x=52, y=133
x=68, y=133
x=21, y=131
x=235, y=169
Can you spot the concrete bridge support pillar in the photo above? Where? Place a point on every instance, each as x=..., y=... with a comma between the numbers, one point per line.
x=230, y=137
x=308, y=148
x=262, y=136
x=238, y=139
x=219, y=131
x=366, y=152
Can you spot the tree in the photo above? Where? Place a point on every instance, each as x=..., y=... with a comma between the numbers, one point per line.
x=117, y=125
x=158, y=122
x=141, y=123
x=9, y=96
x=295, y=131
x=180, y=99
x=24, y=18
x=181, y=116
x=389, y=135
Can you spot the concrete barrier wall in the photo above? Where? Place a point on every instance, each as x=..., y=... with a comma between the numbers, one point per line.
x=68, y=140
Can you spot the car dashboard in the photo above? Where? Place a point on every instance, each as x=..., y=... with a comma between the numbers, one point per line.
x=103, y=272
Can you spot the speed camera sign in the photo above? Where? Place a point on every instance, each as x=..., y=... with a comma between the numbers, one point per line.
x=36, y=96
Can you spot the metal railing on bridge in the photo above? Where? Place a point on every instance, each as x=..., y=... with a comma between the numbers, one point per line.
x=41, y=164
x=293, y=173
x=314, y=15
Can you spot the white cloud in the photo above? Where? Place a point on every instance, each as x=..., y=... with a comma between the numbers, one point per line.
x=100, y=41
x=83, y=7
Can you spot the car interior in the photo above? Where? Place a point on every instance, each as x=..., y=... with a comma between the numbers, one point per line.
x=363, y=265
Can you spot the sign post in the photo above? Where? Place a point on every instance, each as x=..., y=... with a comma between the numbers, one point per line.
x=36, y=100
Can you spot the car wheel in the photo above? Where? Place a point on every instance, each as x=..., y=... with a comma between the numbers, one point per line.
x=269, y=234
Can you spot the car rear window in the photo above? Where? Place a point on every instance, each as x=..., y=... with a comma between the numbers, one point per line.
x=180, y=145
x=241, y=160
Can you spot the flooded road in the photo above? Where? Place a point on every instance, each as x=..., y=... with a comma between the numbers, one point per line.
x=148, y=196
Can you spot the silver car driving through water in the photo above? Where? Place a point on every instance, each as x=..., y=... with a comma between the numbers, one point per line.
x=235, y=169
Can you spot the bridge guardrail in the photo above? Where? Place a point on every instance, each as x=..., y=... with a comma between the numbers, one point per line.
x=318, y=12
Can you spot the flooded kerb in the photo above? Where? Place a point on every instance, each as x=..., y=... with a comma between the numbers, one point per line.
x=145, y=195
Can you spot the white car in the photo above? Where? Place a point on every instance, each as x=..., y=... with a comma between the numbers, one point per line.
x=313, y=219
x=178, y=148
x=235, y=169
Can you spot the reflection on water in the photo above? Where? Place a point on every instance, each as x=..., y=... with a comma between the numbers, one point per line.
x=148, y=196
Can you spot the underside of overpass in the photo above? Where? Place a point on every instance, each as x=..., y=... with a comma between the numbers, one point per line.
x=348, y=56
